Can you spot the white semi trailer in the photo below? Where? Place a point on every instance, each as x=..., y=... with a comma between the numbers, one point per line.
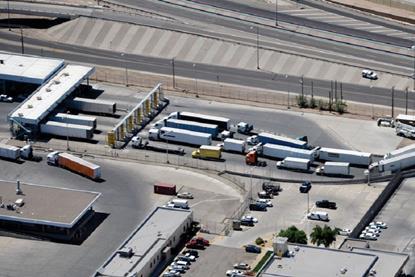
x=75, y=119
x=282, y=152
x=334, y=168
x=398, y=152
x=67, y=130
x=234, y=145
x=347, y=156
x=294, y=163
x=396, y=163
x=180, y=136
x=93, y=106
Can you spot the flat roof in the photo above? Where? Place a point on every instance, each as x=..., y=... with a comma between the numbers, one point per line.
x=388, y=263
x=46, y=205
x=27, y=69
x=322, y=262
x=148, y=239
x=51, y=94
x=346, y=152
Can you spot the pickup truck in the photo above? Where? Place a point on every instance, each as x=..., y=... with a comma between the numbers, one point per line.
x=326, y=204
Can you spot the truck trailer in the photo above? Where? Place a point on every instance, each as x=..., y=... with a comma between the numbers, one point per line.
x=93, y=106
x=75, y=164
x=222, y=122
x=347, y=156
x=234, y=145
x=163, y=188
x=180, y=136
x=279, y=140
x=281, y=152
x=207, y=152
x=294, y=163
x=193, y=126
x=9, y=152
x=67, y=130
x=397, y=163
x=401, y=151
x=334, y=168
x=75, y=119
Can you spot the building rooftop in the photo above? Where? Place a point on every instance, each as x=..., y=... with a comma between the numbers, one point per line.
x=51, y=94
x=45, y=205
x=322, y=262
x=146, y=240
x=27, y=69
x=387, y=264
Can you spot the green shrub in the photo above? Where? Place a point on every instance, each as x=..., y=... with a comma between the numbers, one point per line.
x=302, y=101
x=259, y=241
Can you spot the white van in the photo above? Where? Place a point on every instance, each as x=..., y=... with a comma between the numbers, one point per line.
x=317, y=215
x=180, y=203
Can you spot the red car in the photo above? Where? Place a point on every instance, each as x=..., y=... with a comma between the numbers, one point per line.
x=193, y=244
x=202, y=241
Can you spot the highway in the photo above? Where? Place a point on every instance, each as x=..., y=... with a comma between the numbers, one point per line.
x=259, y=79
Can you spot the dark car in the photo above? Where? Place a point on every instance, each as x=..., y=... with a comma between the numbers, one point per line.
x=258, y=207
x=191, y=252
x=271, y=187
x=326, y=204
x=250, y=248
x=305, y=187
x=247, y=222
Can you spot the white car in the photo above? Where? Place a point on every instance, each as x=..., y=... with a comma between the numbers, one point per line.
x=235, y=272
x=185, y=195
x=266, y=202
x=368, y=236
x=243, y=266
x=250, y=217
x=191, y=257
x=380, y=224
x=345, y=232
x=5, y=98
x=369, y=74
x=371, y=232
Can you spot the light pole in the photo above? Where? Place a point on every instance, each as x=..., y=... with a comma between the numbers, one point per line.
x=413, y=75
x=250, y=171
x=308, y=201
x=276, y=12
x=8, y=15
x=257, y=45
x=67, y=134
x=194, y=75
x=126, y=69
x=174, y=73
x=21, y=39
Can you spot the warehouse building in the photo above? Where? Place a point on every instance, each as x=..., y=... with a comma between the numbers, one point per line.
x=54, y=213
x=149, y=246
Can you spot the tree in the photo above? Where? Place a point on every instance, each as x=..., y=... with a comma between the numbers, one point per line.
x=325, y=235
x=294, y=235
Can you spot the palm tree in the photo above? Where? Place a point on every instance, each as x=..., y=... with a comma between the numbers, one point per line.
x=325, y=235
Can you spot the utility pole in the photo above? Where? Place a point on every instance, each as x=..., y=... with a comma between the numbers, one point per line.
x=393, y=99
x=21, y=38
x=341, y=91
x=335, y=90
x=257, y=47
x=406, y=100
x=8, y=14
x=276, y=12
x=312, y=90
x=173, y=72
x=302, y=86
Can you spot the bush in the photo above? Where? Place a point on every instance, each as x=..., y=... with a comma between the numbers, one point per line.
x=259, y=241
x=294, y=235
x=302, y=101
x=312, y=103
x=340, y=106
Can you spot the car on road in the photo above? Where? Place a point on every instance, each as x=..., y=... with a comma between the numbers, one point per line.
x=326, y=204
x=344, y=232
x=369, y=74
x=265, y=201
x=405, y=132
x=305, y=187
x=5, y=98
x=234, y=272
x=250, y=248
x=185, y=195
x=242, y=266
x=250, y=218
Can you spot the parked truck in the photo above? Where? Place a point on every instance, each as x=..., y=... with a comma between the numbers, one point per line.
x=294, y=163
x=67, y=130
x=163, y=188
x=234, y=145
x=74, y=164
x=207, y=152
x=178, y=203
x=243, y=128
x=9, y=152
x=401, y=151
x=222, y=122
x=193, y=126
x=334, y=168
x=347, y=156
x=180, y=136
x=281, y=152
x=275, y=139
x=93, y=106
x=395, y=164
x=75, y=119
x=252, y=159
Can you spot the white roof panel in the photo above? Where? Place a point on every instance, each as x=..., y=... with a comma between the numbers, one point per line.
x=51, y=94
x=27, y=69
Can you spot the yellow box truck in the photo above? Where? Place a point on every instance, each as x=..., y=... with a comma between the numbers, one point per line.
x=207, y=152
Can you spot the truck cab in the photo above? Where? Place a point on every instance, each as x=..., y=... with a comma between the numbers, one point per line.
x=26, y=152
x=52, y=158
x=153, y=134
x=244, y=128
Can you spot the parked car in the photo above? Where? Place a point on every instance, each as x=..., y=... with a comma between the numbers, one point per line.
x=344, y=232
x=174, y=273
x=5, y=98
x=234, y=272
x=369, y=74
x=246, y=222
x=242, y=266
x=178, y=268
x=305, y=187
x=250, y=217
x=265, y=201
x=326, y=204
x=380, y=224
x=257, y=207
x=250, y=248
x=193, y=244
x=188, y=259
x=183, y=265
x=191, y=252
x=185, y=195
x=368, y=236
x=265, y=195
x=271, y=187
x=202, y=241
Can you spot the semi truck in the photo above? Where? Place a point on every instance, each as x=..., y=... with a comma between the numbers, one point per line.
x=207, y=152
x=193, y=126
x=234, y=145
x=67, y=130
x=294, y=163
x=275, y=139
x=396, y=163
x=93, y=106
x=222, y=122
x=13, y=153
x=281, y=152
x=242, y=128
x=74, y=164
x=75, y=119
x=252, y=159
x=398, y=152
x=334, y=168
x=180, y=136
x=347, y=156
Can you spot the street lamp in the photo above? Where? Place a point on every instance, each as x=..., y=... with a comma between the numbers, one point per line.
x=250, y=173
x=257, y=45
x=194, y=75
x=126, y=69
x=8, y=15
x=67, y=133
x=276, y=12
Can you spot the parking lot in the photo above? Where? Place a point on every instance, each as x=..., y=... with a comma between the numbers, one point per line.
x=290, y=208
